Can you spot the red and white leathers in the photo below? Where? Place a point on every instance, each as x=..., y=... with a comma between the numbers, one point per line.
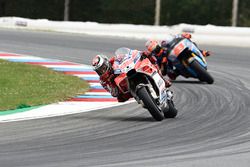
x=108, y=83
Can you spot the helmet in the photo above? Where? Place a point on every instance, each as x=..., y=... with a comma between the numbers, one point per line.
x=101, y=64
x=152, y=46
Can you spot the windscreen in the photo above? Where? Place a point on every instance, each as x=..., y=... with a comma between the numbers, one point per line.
x=121, y=53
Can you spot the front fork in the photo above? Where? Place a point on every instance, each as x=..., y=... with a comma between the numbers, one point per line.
x=148, y=86
x=167, y=96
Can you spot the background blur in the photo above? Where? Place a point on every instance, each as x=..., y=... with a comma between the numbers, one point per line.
x=202, y=12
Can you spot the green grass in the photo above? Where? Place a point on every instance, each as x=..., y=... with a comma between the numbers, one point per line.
x=23, y=85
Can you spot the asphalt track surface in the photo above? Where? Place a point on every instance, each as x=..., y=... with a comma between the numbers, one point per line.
x=211, y=129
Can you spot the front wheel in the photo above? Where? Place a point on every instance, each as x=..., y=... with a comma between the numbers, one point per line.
x=150, y=104
x=202, y=73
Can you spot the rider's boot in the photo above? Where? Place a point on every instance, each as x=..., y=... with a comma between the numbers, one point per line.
x=167, y=83
x=173, y=74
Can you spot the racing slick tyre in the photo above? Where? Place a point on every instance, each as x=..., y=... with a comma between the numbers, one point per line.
x=170, y=111
x=150, y=103
x=202, y=73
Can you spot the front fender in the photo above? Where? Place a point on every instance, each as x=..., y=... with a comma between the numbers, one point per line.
x=139, y=86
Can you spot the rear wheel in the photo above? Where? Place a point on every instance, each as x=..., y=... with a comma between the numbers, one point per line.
x=150, y=103
x=202, y=73
x=170, y=111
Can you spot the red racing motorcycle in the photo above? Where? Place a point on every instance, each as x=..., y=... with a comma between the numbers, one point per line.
x=138, y=77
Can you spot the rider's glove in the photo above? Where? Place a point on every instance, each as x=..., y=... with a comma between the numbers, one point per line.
x=153, y=60
x=206, y=53
x=145, y=54
x=164, y=43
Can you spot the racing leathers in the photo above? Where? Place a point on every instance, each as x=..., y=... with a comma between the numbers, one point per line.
x=108, y=83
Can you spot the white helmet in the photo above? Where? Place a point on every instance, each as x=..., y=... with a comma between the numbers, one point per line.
x=101, y=64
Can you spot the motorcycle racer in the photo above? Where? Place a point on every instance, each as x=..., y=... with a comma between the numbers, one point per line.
x=103, y=66
x=161, y=51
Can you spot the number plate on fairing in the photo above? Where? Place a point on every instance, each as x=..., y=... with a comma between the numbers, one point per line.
x=161, y=86
x=159, y=81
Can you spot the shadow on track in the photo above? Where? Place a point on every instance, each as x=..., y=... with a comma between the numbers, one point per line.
x=116, y=118
x=188, y=82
